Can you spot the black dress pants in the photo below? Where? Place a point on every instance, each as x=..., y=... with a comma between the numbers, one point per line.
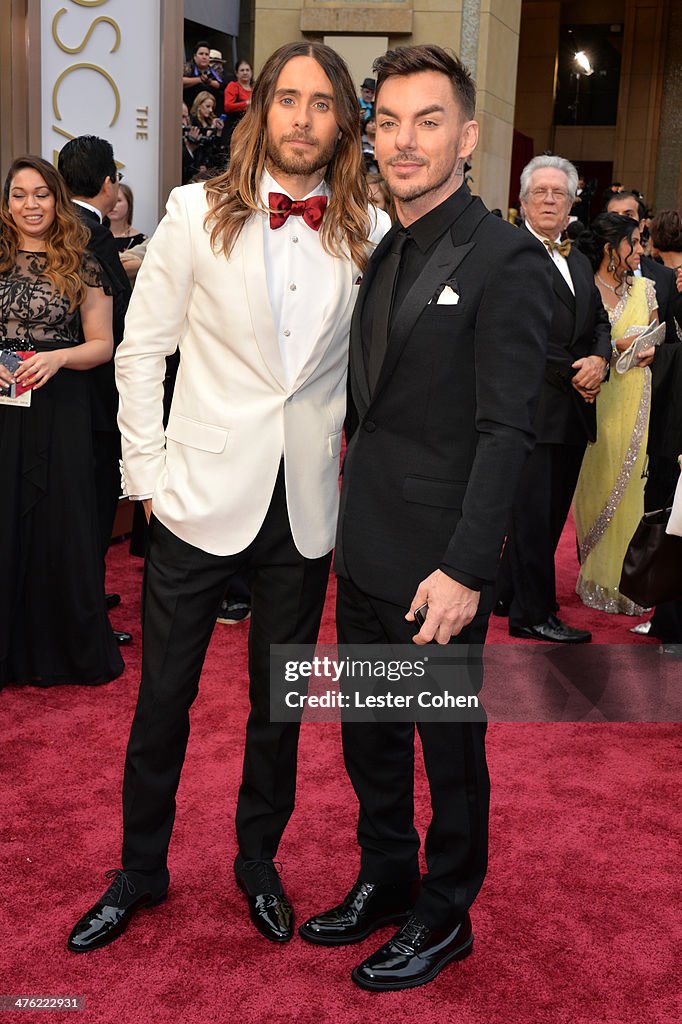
x=183, y=588
x=526, y=580
x=380, y=763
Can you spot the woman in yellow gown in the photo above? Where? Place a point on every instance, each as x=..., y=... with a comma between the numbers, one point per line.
x=609, y=498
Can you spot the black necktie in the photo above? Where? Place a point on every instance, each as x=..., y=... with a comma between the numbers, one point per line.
x=383, y=287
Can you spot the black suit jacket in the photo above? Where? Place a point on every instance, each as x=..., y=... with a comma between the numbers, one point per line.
x=432, y=467
x=667, y=296
x=103, y=389
x=580, y=327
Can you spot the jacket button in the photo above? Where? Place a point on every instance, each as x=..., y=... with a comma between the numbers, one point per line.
x=370, y=426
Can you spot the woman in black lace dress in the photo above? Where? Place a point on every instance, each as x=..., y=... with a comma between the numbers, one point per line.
x=55, y=322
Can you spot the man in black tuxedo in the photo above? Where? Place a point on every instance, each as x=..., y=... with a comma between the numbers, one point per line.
x=447, y=355
x=578, y=357
x=89, y=170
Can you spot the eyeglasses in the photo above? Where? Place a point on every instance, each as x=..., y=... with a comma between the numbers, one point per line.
x=559, y=194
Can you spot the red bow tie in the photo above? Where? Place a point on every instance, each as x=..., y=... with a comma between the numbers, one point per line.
x=312, y=209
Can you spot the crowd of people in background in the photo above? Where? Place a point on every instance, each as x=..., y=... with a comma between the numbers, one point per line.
x=629, y=461
x=489, y=378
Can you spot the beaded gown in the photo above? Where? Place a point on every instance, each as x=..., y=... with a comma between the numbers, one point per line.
x=53, y=622
x=609, y=499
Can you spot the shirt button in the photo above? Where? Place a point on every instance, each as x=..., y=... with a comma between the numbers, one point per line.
x=295, y=238
x=286, y=333
x=292, y=287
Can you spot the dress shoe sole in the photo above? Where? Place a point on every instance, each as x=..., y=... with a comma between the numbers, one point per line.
x=115, y=932
x=349, y=940
x=258, y=924
x=460, y=953
x=526, y=634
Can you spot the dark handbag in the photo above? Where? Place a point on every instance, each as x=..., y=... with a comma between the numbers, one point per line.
x=652, y=569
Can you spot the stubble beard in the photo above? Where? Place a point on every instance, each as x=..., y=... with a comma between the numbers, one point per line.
x=302, y=164
x=406, y=192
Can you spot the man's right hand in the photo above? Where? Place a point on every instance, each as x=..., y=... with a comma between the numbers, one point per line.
x=147, y=506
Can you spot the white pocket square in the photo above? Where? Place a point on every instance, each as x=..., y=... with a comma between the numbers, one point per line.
x=447, y=297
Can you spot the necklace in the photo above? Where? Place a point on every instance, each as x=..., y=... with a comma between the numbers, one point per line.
x=610, y=286
x=605, y=283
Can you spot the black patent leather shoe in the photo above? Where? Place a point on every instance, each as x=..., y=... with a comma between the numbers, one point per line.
x=414, y=956
x=501, y=609
x=112, y=601
x=365, y=908
x=121, y=637
x=113, y=912
x=270, y=910
x=553, y=631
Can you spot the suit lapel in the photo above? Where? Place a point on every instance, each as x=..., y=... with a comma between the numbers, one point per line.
x=561, y=289
x=358, y=371
x=582, y=283
x=345, y=275
x=253, y=262
x=444, y=261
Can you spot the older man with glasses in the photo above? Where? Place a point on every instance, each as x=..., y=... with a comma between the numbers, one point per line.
x=578, y=355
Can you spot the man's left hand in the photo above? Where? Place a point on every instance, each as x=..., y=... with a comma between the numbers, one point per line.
x=452, y=606
x=591, y=373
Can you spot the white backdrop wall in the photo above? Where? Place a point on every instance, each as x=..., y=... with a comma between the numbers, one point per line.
x=100, y=66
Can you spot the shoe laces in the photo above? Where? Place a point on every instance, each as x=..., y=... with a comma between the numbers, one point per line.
x=358, y=895
x=412, y=934
x=263, y=872
x=120, y=882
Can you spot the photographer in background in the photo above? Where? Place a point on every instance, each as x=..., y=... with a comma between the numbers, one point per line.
x=191, y=137
x=211, y=152
x=198, y=76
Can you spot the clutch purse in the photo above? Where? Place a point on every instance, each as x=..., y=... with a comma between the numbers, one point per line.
x=652, y=568
x=654, y=334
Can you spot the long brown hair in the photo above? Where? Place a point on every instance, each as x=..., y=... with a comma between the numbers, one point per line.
x=233, y=196
x=67, y=239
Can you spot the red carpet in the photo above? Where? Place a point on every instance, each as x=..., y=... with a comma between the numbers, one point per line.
x=577, y=921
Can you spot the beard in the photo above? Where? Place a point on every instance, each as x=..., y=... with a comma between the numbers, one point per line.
x=303, y=163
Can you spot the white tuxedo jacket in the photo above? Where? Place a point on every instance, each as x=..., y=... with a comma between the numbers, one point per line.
x=233, y=416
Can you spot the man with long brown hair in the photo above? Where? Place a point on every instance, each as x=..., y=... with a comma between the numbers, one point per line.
x=253, y=279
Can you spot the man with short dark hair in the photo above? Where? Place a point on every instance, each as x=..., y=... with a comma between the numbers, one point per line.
x=447, y=354
x=199, y=75
x=88, y=167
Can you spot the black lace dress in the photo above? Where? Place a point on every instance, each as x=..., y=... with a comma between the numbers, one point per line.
x=53, y=622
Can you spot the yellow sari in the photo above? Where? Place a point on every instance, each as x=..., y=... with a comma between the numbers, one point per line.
x=609, y=499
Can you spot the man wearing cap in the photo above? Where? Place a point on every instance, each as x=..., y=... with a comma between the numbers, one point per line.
x=366, y=99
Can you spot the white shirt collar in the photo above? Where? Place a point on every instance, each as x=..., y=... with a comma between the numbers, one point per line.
x=542, y=237
x=87, y=206
x=269, y=184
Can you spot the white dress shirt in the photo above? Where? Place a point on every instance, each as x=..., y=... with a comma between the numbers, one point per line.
x=560, y=261
x=300, y=280
x=87, y=206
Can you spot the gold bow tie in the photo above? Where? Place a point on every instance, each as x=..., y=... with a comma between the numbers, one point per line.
x=563, y=248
